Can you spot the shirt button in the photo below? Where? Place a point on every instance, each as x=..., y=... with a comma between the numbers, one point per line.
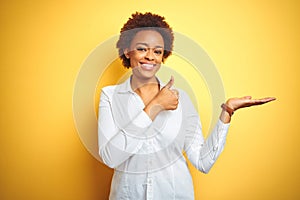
x=215, y=148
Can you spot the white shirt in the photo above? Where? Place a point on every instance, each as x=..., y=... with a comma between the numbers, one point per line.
x=148, y=155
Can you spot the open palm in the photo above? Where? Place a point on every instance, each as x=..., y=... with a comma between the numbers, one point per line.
x=247, y=101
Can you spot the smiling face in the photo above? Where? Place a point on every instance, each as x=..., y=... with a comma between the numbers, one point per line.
x=145, y=54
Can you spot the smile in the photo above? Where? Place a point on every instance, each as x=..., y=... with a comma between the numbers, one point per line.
x=147, y=66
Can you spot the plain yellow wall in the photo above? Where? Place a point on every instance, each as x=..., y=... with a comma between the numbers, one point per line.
x=254, y=44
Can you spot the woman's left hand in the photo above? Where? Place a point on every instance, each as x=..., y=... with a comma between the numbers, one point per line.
x=247, y=101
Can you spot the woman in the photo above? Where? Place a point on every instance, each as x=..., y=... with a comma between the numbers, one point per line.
x=145, y=125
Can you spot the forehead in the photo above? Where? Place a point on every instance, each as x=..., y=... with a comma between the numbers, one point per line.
x=149, y=37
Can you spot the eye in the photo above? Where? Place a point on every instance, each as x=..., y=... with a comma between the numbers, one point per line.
x=158, y=52
x=141, y=49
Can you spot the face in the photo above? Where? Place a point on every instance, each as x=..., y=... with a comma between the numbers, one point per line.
x=145, y=54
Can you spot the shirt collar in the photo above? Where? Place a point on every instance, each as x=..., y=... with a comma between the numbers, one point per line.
x=126, y=86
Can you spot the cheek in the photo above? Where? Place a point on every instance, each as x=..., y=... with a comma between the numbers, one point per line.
x=136, y=55
x=160, y=59
x=135, y=59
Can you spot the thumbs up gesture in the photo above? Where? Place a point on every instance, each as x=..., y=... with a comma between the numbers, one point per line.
x=166, y=99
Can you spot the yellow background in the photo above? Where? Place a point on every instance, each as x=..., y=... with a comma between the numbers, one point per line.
x=255, y=46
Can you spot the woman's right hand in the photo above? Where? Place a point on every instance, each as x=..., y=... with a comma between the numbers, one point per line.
x=166, y=99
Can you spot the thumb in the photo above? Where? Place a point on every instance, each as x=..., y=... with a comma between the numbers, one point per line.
x=247, y=97
x=170, y=83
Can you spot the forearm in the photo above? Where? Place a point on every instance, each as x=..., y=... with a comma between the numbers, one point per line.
x=118, y=149
x=203, y=153
x=153, y=109
x=119, y=134
x=116, y=143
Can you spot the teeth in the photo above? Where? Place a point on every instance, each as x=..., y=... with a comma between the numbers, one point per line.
x=148, y=66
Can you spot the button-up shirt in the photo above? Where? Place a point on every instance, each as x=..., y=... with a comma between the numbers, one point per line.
x=148, y=155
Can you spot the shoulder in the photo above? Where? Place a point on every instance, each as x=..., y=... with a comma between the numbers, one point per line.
x=183, y=96
x=112, y=89
x=186, y=101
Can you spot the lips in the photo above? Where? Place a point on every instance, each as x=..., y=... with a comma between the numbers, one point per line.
x=147, y=66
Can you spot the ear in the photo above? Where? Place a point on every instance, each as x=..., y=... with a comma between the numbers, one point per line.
x=126, y=53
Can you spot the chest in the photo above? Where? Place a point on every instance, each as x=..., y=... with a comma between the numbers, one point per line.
x=127, y=107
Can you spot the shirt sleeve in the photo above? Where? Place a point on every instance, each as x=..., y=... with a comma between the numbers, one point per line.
x=117, y=144
x=202, y=153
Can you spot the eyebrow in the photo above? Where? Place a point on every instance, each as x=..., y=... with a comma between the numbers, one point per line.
x=141, y=43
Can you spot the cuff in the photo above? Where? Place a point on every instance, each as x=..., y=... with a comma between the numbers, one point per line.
x=222, y=128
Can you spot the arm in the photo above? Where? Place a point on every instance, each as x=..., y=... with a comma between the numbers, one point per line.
x=202, y=153
x=117, y=144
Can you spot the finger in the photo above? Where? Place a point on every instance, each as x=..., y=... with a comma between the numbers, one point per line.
x=175, y=92
x=261, y=101
x=170, y=83
x=269, y=99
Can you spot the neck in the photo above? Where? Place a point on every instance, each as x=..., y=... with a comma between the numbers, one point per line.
x=145, y=85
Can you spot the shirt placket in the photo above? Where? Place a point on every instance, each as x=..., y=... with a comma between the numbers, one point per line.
x=149, y=194
x=149, y=155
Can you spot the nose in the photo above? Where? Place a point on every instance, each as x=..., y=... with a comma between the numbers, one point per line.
x=150, y=55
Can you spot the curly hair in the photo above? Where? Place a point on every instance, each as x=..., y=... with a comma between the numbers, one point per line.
x=140, y=22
